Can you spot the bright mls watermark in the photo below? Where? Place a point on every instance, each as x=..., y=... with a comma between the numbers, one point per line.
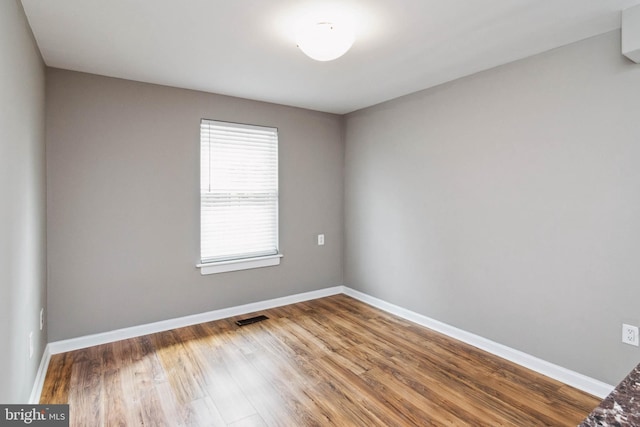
x=34, y=415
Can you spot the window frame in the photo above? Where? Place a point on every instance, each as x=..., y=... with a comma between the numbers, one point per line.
x=242, y=261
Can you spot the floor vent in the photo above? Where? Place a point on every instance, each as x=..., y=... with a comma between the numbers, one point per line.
x=251, y=320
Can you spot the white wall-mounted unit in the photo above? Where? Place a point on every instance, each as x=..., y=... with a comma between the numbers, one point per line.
x=631, y=33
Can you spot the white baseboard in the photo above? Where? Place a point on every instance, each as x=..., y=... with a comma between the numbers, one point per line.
x=165, y=325
x=566, y=376
x=574, y=379
x=34, y=399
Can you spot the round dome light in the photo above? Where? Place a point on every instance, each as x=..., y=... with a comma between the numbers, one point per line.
x=325, y=41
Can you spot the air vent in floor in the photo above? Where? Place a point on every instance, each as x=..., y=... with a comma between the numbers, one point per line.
x=251, y=320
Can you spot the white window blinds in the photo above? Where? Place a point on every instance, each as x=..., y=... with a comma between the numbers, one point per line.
x=238, y=191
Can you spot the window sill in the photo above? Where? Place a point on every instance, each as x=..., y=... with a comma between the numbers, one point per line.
x=239, y=264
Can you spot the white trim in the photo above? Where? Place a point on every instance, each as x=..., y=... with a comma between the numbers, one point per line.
x=36, y=391
x=566, y=376
x=165, y=325
x=239, y=264
x=572, y=378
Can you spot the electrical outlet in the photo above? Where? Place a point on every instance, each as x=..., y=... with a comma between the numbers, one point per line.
x=320, y=239
x=41, y=318
x=630, y=334
x=31, y=345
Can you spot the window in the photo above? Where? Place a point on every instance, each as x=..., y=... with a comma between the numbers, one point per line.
x=238, y=196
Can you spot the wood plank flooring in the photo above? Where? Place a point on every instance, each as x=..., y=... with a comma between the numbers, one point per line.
x=330, y=361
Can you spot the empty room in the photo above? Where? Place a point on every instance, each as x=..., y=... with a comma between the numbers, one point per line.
x=309, y=213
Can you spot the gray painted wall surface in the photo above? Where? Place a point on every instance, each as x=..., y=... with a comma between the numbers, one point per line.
x=508, y=204
x=22, y=204
x=123, y=203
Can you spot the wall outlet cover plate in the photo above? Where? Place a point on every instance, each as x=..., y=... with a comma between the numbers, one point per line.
x=630, y=334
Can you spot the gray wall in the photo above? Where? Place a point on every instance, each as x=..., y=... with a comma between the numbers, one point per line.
x=507, y=204
x=123, y=203
x=22, y=204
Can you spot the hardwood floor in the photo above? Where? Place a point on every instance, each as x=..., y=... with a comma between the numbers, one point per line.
x=331, y=361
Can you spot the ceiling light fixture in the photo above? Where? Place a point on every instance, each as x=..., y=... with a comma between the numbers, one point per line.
x=325, y=41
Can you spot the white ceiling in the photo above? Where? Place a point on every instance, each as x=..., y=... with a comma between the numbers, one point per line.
x=246, y=48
